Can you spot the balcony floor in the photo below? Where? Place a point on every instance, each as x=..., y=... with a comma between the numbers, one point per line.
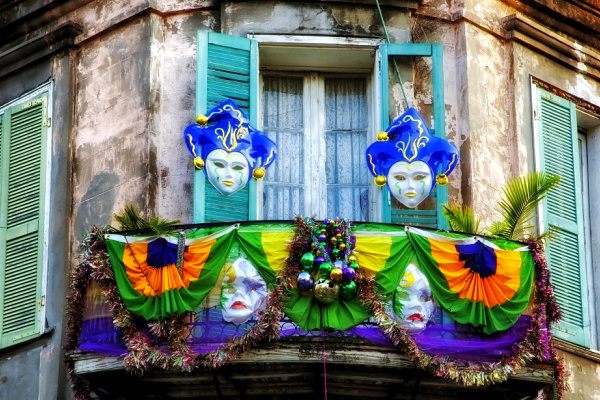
x=293, y=369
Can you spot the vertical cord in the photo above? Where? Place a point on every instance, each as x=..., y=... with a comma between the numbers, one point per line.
x=324, y=358
x=387, y=38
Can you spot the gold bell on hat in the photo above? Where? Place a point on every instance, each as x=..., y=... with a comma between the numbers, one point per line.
x=380, y=180
x=202, y=120
x=441, y=180
x=199, y=162
x=258, y=173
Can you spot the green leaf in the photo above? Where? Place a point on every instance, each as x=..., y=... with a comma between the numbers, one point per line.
x=461, y=218
x=521, y=197
x=130, y=220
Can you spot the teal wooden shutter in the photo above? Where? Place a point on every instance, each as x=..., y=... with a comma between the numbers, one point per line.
x=23, y=171
x=559, y=154
x=432, y=217
x=227, y=69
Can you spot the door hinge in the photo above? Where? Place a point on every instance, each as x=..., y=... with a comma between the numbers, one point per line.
x=536, y=115
x=49, y=122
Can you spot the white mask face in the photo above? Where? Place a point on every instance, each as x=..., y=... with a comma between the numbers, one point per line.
x=228, y=172
x=410, y=183
x=412, y=303
x=243, y=292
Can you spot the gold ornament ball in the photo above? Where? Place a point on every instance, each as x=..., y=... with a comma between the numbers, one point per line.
x=352, y=259
x=307, y=293
x=442, y=179
x=338, y=235
x=199, y=162
x=342, y=247
x=382, y=136
x=258, y=173
x=380, y=180
x=202, y=120
x=336, y=275
x=331, y=222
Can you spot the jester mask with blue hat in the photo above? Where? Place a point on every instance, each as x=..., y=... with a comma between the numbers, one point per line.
x=407, y=157
x=228, y=148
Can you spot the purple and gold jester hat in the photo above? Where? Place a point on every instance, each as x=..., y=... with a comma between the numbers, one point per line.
x=228, y=148
x=407, y=157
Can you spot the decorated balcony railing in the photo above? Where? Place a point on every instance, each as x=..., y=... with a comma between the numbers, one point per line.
x=463, y=308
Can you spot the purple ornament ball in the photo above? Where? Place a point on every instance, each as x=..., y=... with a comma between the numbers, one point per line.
x=348, y=273
x=320, y=260
x=322, y=238
x=305, y=281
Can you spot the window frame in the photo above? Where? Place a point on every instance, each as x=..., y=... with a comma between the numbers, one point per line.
x=46, y=90
x=313, y=93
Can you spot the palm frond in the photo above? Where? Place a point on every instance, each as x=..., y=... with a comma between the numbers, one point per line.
x=130, y=220
x=461, y=218
x=521, y=197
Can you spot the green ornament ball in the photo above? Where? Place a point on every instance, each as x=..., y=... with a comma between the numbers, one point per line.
x=348, y=290
x=335, y=253
x=307, y=261
x=353, y=265
x=325, y=269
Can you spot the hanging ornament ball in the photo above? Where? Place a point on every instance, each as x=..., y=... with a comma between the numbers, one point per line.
x=307, y=261
x=313, y=246
x=336, y=275
x=326, y=291
x=322, y=238
x=258, y=173
x=324, y=225
x=338, y=235
x=338, y=264
x=325, y=269
x=382, y=136
x=337, y=232
x=352, y=258
x=340, y=240
x=342, y=247
x=333, y=240
x=348, y=273
x=335, y=253
x=325, y=222
x=335, y=226
x=319, y=261
x=380, y=180
x=322, y=232
x=202, y=120
x=348, y=290
x=305, y=281
x=198, y=163
x=354, y=265
x=441, y=180
x=331, y=222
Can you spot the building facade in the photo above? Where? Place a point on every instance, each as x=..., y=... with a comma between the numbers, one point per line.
x=105, y=90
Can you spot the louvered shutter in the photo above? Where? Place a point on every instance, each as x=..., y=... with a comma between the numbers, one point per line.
x=23, y=167
x=430, y=216
x=227, y=68
x=559, y=155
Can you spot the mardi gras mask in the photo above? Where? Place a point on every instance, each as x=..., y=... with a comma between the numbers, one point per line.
x=407, y=157
x=243, y=292
x=412, y=303
x=228, y=148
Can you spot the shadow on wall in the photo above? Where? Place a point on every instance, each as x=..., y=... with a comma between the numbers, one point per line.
x=97, y=203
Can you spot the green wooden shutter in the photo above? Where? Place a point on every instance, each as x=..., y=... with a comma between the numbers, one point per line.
x=559, y=154
x=433, y=216
x=227, y=69
x=23, y=167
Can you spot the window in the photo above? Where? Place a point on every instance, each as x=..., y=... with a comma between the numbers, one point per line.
x=23, y=165
x=562, y=149
x=323, y=100
x=332, y=138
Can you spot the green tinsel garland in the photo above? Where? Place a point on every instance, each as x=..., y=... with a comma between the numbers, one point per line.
x=142, y=351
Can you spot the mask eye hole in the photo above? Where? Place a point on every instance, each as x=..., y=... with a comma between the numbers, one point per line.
x=237, y=168
x=420, y=177
x=218, y=164
x=400, y=177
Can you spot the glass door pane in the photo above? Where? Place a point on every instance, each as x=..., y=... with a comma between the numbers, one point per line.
x=283, y=122
x=347, y=122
